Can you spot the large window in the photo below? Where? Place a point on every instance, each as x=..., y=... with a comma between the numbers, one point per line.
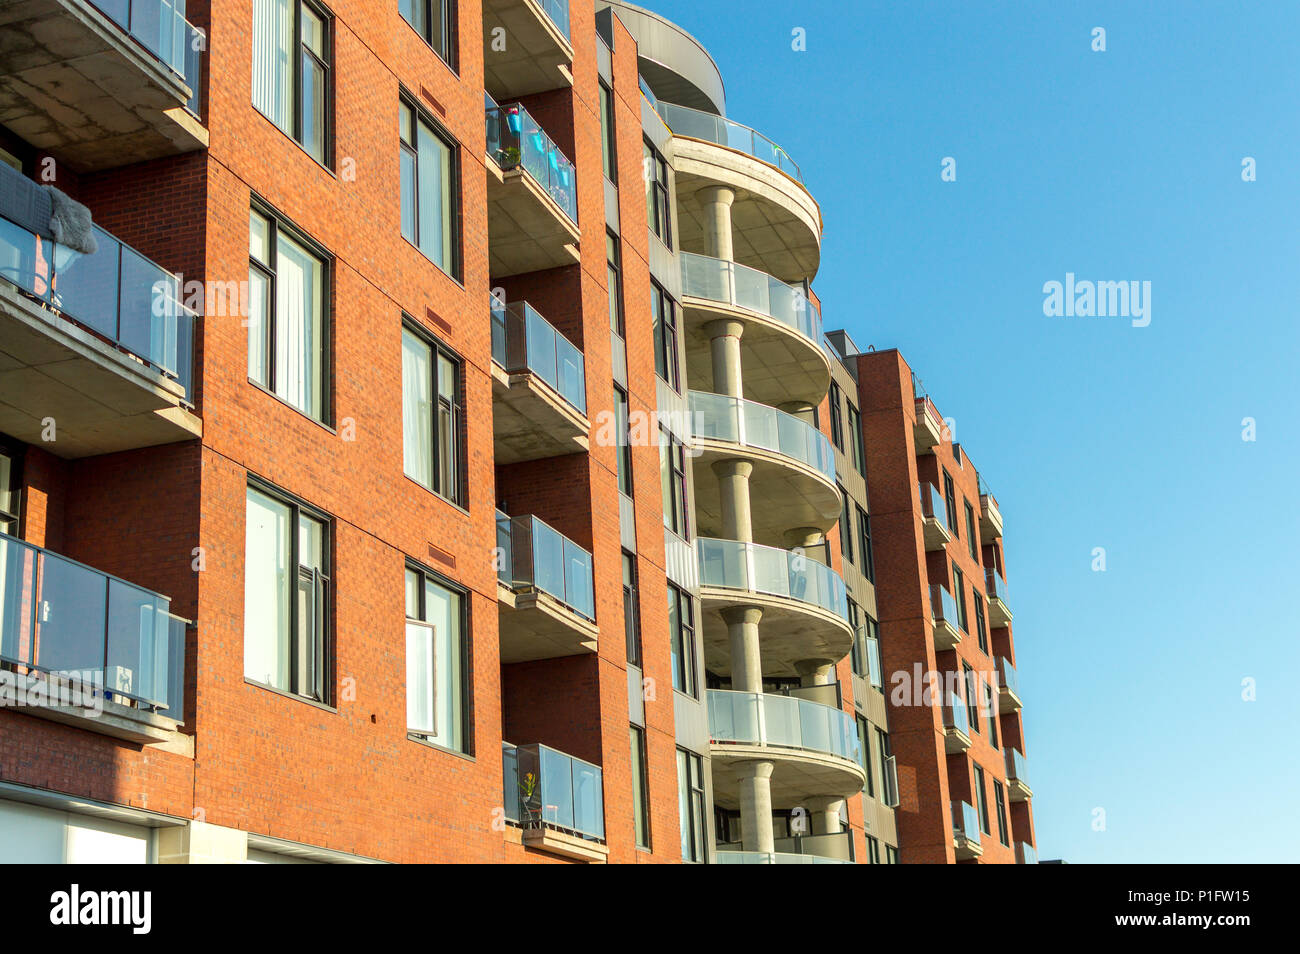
x=891, y=855
x=631, y=611
x=608, y=150
x=614, y=284
x=972, y=698
x=434, y=20
x=291, y=70
x=1000, y=803
x=690, y=804
x=950, y=502
x=430, y=189
x=981, y=800
x=990, y=712
x=436, y=660
x=888, y=782
x=868, y=554
x=681, y=633
x=663, y=312
x=11, y=483
x=624, y=440
x=287, y=328
x=846, y=527
x=972, y=545
x=431, y=414
x=672, y=480
x=837, y=419
x=959, y=594
x=864, y=753
x=655, y=172
x=855, y=441
x=981, y=629
x=286, y=595
x=873, y=850
x=640, y=788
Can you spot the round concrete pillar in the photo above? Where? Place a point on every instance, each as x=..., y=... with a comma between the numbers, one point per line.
x=733, y=492
x=824, y=815
x=716, y=202
x=815, y=672
x=746, y=656
x=724, y=347
x=756, y=805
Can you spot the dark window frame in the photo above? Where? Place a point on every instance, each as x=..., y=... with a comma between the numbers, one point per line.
x=609, y=134
x=455, y=269
x=631, y=609
x=663, y=314
x=1000, y=804
x=686, y=671
x=466, y=653
x=641, y=831
x=15, y=451
x=300, y=50
x=460, y=425
x=614, y=281
x=678, y=502
x=655, y=173
x=450, y=34
x=836, y=417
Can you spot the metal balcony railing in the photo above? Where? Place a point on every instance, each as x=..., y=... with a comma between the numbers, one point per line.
x=697, y=124
x=932, y=503
x=730, y=283
x=762, y=569
x=943, y=607
x=544, y=788
x=1007, y=675
x=522, y=340
x=965, y=821
x=737, y=421
x=764, y=719
x=517, y=141
x=534, y=555
x=161, y=28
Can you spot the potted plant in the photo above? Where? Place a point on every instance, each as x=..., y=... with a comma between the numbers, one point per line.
x=530, y=800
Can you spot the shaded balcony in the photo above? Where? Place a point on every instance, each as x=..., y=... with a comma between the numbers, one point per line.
x=102, y=84
x=557, y=800
x=990, y=515
x=928, y=431
x=99, y=343
x=781, y=348
x=966, y=831
x=831, y=849
x=1017, y=776
x=539, y=387
x=532, y=195
x=88, y=649
x=1008, y=687
x=545, y=593
x=947, y=623
x=999, y=612
x=934, y=517
x=526, y=47
x=793, y=479
x=956, y=725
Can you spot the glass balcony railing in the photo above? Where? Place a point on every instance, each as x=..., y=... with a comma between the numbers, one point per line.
x=522, y=340
x=834, y=849
x=965, y=821
x=161, y=28
x=544, y=788
x=955, y=714
x=516, y=141
x=764, y=719
x=696, y=124
x=932, y=503
x=63, y=618
x=531, y=554
x=715, y=279
x=1017, y=766
x=997, y=587
x=943, y=608
x=1025, y=854
x=1007, y=675
x=116, y=293
x=557, y=11
x=737, y=421
x=771, y=570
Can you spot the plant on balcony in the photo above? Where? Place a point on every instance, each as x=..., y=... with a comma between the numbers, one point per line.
x=530, y=800
x=508, y=157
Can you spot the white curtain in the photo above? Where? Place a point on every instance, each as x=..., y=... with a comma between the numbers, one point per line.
x=298, y=340
x=435, y=196
x=272, y=63
x=417, y=410
x=266, y=591
x=420, y=678
x=442, y=609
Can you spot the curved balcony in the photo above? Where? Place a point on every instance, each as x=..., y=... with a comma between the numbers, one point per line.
x=781, y=349
x=776, y=224
x=793, y=480
x=832, y=849
x=814, y=747
x=804, y=604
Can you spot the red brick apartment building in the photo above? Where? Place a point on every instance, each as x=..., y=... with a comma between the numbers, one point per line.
x=415, y=428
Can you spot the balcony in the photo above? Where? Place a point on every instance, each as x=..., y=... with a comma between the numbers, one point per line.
x=557, y=800
x=532, y=195
x=545, y=595
x=947, y=624
x=526, y=47
x=966, y=831
x=793, y=479
x=928, y=430
x=1018, y=776
x=101, y=653
x=804, y=603
x=990, y=515
x=1025, y=854
x=539, y=387
x=956, y=725
x=1008, y=688
x=100, y=343
x=814, y=747
x=776, y=224
x=999, y=614
x=781, y=348
x=100, y=85
x=934, y=517
x=832, y=849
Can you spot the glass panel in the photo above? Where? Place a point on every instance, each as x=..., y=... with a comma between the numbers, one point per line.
x=266, y=591
x=71, y=615
x=86, y=286
x=557, y=788
x=17, y=584
x=138, y=627
x=313, y=105
x=420, y=678
x=299, y=336
x=548, y=559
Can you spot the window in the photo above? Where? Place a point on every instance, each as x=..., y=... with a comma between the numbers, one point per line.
x=846, y=528
x=1000, y=803
x=672, y=479
x=959, y=594
x=980, y=628
x=837, y=421
x=864, y=753
x=640, y=788
x=888, y=784
x=990, y=712
x=857, y=652
x=981, y=802
x=663, y=312
x=609, y=151
x=624, y=441
x=972, y=697
x=950, y=502
x=690, y=804
x=861, y=657
x=855, y=441
x=286, y=595
x=681, y=632
x=286, y=315
x=631, y=611
x=972, y=544
x=435, y=21
x=873, y=850
x=891, y=855
x=868, y=555
x=431, y=415
x=291, y=77
x=614, y=284
x=437, y=660
x=430, y=189
x=11, y=484
x=655, y=172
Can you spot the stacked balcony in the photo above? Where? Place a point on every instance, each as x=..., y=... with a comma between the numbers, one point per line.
x=110, y=654
x=101, y=84
x=1025, y=853
x=999, y=612
x=947, y=623
x=956, y=725
x=934, y=517
x=830, y=849
x=990, y=515
x=966, y=831
x=545, y=592
x=928, y=430
x=1008, y=687
x=526, y=47
x=1017, y=776
x=532, y=195
x=539, y=387
x=557, y=800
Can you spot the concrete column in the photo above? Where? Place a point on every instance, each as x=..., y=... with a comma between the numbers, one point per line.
x=746, y=658
x=815, y=672
x=800, y=409
x=756, y=805
x=716, y=202
x=808, y=539
x=724, y=346
x=824, y=815
x=733, y=491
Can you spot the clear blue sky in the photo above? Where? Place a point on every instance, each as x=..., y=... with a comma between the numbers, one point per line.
x=1122, y=165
